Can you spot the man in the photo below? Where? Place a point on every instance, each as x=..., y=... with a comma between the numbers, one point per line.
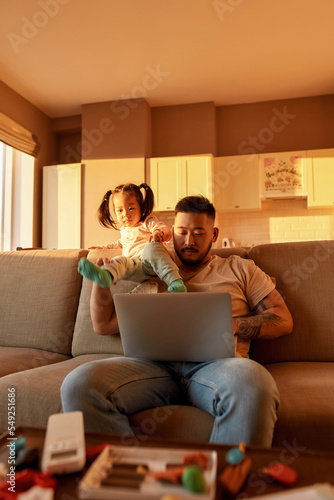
x=238, y=392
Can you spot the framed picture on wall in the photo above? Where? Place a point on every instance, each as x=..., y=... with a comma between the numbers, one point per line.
x=283, y=173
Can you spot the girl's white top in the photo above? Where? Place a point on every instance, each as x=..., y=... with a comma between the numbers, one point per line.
x=133, y=239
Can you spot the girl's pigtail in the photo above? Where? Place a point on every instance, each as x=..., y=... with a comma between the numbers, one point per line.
x=148, y=203
x=103, y=212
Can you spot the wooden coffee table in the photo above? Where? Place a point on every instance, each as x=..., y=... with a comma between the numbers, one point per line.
x=311, y=466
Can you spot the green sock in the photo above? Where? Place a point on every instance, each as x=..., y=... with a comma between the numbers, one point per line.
x=94, y=273
x=177, y=286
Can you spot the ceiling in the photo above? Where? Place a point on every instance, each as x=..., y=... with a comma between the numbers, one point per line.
x=60, y=54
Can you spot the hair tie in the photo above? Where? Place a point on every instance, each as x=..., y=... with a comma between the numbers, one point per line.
x=142, y=186
x=108, y=194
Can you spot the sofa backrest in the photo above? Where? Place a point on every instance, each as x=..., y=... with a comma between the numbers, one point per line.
x=304, y=273
x=39, y=296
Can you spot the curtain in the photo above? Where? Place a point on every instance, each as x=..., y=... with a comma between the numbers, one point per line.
x=18, y=137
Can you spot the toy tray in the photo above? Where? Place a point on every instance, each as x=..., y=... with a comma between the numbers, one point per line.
x=99, y=482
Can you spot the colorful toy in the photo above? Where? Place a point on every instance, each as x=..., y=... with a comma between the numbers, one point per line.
x=234, y=475
x=193, y=479
x=281, y=473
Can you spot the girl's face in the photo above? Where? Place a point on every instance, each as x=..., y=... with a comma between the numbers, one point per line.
x=127, y=209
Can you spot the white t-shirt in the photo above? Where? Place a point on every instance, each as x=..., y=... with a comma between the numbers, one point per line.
x=241, y=278
x=133, y=239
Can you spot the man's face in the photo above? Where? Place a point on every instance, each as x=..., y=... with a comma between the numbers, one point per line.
x=193, y=235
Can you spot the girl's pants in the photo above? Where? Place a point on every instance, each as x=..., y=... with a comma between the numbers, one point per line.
x=155, y=261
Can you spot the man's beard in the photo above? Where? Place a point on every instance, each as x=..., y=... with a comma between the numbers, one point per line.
x=195, y=257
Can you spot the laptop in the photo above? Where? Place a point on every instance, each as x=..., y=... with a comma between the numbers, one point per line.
x=193, y=326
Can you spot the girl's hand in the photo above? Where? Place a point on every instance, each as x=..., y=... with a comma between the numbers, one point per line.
x=100, y=262
x=158, y=235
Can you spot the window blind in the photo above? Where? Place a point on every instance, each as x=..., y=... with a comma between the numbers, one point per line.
x=16, y=136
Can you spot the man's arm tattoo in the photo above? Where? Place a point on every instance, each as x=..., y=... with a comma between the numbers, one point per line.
x=250, y=326
x=261, y=306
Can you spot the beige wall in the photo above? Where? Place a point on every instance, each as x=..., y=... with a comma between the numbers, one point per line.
x=30, y=117
x=187, y=129
x=116, y=129
x=287, y=125
x=124, y=129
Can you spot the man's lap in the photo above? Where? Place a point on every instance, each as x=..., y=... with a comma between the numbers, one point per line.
x=115, y=373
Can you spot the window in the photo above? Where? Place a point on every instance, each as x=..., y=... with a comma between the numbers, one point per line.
x=16, y=198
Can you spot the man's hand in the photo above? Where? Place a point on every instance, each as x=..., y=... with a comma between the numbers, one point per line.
x=271, y=318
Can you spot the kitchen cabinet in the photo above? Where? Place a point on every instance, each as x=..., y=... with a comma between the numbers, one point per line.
x=175, y=177
x=320, y=171
x=62, y=206
x=237, y=182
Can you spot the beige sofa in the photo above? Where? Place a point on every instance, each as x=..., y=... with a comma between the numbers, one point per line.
x=46, y=331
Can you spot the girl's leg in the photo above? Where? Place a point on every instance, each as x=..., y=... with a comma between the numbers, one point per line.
x=156, y=260
x=241, y=395
x=109, y=390
x=119, y=268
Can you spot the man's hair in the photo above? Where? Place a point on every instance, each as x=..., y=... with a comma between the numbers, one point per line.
x=196, y=205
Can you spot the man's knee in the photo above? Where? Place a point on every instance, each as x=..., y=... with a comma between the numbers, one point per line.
x=249, y=379
x=259, y=384
x=76, y=383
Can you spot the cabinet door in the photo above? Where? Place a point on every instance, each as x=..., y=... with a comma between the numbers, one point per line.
x=321, y=178
x=237, y=182
x=167, y=181
x=198, y=176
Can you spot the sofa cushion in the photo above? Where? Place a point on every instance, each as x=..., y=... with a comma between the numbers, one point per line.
x=16, y=359
x=306, y=410
x=166, y=422
x=305, y=277
x=39, y=310
x=37, y=392
x=227, y=252
x=85, y=340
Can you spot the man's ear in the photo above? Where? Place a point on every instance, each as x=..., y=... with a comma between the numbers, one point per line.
x=215, y=234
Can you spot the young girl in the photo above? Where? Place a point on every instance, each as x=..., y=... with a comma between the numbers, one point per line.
x=142, y=237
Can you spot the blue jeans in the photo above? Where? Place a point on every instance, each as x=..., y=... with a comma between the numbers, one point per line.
x=240, y=394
